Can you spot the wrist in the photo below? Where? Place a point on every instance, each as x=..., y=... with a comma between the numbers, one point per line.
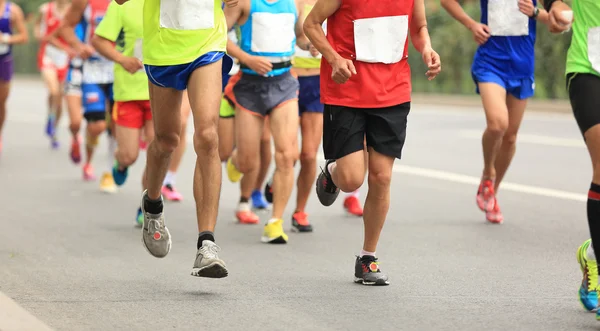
x=536, y=12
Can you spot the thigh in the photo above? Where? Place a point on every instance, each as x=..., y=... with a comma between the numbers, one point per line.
x=343, y=131
x=128, y=139
x=248, y=131
x=226, y=136
x=204, y=91
x=50, y=77
x=493, y=97
x=165, y=104
x=386, y=129
x=4, y=91
x=311, y=125
x=283, y=123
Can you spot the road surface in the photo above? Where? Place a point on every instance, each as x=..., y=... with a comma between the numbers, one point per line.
x=72, y=257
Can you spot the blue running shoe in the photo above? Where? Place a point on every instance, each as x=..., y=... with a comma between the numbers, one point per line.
x=588, y=291
x=139, y=221
x=258, y=200
x=50, y=130
x=119, y=176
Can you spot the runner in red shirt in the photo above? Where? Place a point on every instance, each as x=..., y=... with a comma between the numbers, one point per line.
x=366, y=87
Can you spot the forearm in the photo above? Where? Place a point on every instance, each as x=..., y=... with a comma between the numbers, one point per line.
x=314, y=33
x=19, y=38
x=420, y=39
x=105, y=48
x=235, y=51
x=303, y=42
x=67, y=33
x=455, y=10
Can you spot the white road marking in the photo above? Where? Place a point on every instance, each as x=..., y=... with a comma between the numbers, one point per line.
x=532, y=139
x=13, y=317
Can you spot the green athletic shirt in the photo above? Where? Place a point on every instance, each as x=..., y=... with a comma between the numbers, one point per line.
x=179, y=32
x=123, y=25
x=584, y=53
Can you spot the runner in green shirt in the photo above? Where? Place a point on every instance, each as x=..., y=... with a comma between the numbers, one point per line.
x=583, y=84
x=184, y=47
x=122, y=27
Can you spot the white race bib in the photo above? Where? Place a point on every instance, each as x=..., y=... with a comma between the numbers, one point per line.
x=4, y=48
x=138, y=50
x=57, y=56
x=232, y=36
x=380, y=39
x=505, y=19
x=98, y=72
x=187, y=14
x=593, y=39
x=273, y=33
x=76, y=77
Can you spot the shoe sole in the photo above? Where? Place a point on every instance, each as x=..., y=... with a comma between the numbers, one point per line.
x=278, y=240
x=326, y=199
x=213, y=270
x=170, y=244
x=377, y=283
x=294, y=229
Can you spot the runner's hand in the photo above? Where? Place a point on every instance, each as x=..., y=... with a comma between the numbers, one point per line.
x=313, y=51
x=85, y=51
x=433, y=62
x=259, y=64
x=343, y=69
x=526, y=7
x=131, y=64
x=231, y=3
x=72, y=53
x=558, y=22
x=481, y=33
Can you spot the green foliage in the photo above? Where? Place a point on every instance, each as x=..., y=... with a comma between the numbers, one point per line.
x=450, y=39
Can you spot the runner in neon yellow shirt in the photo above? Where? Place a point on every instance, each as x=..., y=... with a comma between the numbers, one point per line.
x=583, y=84
x=184, y=46
x=122, y=25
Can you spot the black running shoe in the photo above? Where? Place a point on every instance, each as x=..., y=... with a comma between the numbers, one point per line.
x=326, y=189
x=367, y=272
x=269, y=190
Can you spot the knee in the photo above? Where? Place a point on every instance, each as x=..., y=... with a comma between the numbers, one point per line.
x=285, y=158
x=497, y=127
x=380, y=178
x=247, y=163
x=206, y=140
x=510, y=138
x=127, y=158
x=308, y=158
x=349, y=180
x=224, y=153
x=166, y=142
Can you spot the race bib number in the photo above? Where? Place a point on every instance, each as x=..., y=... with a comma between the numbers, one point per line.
x=138, y=50
x=380, y=39
x=58, y=57
x=505, y=19
x=187, y=14
x=98, y=72
x=273, y=33
x=594, y=47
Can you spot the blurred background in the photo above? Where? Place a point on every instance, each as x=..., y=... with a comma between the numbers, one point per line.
x=450, y=39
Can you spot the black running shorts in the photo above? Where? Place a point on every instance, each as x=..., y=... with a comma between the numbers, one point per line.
x=345, y=129
x=584, y=93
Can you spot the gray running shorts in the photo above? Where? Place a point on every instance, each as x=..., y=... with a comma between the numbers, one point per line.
x=260, y=95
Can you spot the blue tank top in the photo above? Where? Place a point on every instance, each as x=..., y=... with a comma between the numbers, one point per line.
x=270, y=32
x=509, y=52
x=5, y=28
x=77, y=62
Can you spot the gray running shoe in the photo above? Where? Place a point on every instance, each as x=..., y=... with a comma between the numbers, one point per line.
x=155, y=235
x=207, y=262
x=367, y=272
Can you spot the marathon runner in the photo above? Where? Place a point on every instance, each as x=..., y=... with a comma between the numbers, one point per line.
x=503, y=70
x=53, y=60
x=269, y=31
x=583, y=85
x=97, y=83
x=187, y=52
x=366, y=86
x=122, y=27
x=73, y=96
x=12, y=32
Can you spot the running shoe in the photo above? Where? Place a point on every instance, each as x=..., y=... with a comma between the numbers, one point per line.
x=170, y=193
x=273, y=233
x=326, y=189
x=352, y=206
x=76, y=150
x=50, y=128
x=588, y=291
x=107, y=183
x=245, y=215
x=207, y=263
x=88, y=173
x=54, y=144
x=119, y=175
x=300, y=222
x=233, y=173
x=269, y=190
x=367, y=272
x=486, y=196
x=495, y=216
x=139, y=220
x=155, y=235
x=258, y=201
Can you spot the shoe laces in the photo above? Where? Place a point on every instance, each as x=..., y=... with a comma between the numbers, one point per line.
x=210, y=251
x=592, y=275
x=328, y=183
x=155, y=223
x=367, y=261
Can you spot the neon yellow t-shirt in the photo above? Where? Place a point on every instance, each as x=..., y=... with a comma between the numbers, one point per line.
x=179, y=32
x=584, y=53
x=123, y=25
x=302, y=58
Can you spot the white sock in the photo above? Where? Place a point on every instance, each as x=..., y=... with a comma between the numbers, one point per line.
x=170, y=178
x=353, y=194
x=590, y=253
x=243, y=206
x=330, y=167
x=112, y=148
x=363, y=253
x=272, y=220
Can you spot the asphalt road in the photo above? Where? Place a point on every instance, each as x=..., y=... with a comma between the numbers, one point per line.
x=71, y=256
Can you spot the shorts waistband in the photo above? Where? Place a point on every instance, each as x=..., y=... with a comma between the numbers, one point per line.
x=258, y=78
